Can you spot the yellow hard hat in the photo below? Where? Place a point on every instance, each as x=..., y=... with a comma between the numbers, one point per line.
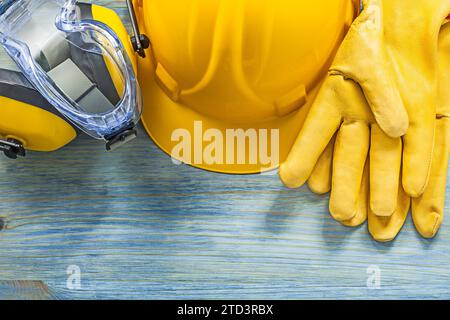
x=235, y=76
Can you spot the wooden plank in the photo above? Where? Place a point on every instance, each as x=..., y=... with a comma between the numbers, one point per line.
x=25, y=290
x=138, y=226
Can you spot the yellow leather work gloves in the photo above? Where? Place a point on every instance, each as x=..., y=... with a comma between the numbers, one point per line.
x=428, y=209
x=382, y=84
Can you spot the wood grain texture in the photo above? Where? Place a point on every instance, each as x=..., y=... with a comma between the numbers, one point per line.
x=139, y=226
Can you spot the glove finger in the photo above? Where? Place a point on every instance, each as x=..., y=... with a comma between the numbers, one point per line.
x=385, y=166
x=418, y=146
x=350, y=154
x=320, y=180
x=385, y=229
x=319, y=128
x=363, y=200
x=428, y=210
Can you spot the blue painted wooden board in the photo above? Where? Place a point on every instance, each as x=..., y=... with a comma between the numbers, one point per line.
x=139, y=226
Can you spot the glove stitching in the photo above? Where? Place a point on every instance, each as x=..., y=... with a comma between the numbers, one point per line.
x=430, y=162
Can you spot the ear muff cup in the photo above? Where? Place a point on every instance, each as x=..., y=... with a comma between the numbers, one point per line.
x=27, y=117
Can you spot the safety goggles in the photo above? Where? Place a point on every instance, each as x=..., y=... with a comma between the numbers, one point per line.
x=77, y=63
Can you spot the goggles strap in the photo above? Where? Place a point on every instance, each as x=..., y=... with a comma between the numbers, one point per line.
x=12, y=148
x=79, y=88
